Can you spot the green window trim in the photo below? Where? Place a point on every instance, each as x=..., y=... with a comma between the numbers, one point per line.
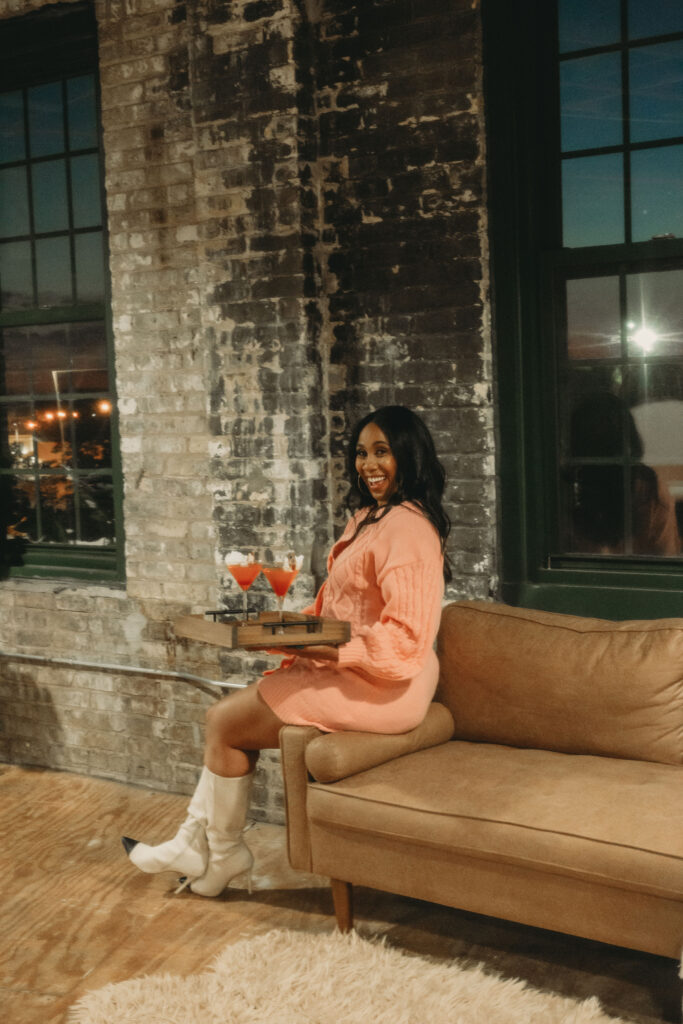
x=524, y=211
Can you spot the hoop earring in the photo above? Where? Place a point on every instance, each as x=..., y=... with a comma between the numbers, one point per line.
x=361, y=484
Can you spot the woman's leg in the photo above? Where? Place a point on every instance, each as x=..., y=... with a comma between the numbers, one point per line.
x=208, y=848
x=237, y=728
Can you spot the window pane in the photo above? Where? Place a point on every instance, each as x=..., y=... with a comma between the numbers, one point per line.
x=590, y=102
x=15, y=367
x=656, y=196
x=48, y=353
x=53, y=266
x=655, y=314
x=14, y=215
x=16, y=280
x=656, y=87
x=50, y=206
x=659, y=422
x=593, y=328
x=53, y=435
x=46, y=119
x=89, y=267
x=89, y=358
x=85, y=191
x=81, y=112
x=614, y=501
x=585, y=23
x=96, y=509
x=22, y=512
x=57, y=512
x=592, y=201
x=654, y=18
x=92, y=427
x=12, y=141
x=18, y=426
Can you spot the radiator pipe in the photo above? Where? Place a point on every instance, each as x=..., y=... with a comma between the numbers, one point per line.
x=186, y=677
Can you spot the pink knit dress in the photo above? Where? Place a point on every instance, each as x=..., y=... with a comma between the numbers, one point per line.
x=388, y=583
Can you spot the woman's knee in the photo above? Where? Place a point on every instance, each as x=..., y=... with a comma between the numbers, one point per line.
x=239, y=719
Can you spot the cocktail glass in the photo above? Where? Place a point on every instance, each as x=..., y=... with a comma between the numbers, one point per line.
x=280, y=579
x=244, y=576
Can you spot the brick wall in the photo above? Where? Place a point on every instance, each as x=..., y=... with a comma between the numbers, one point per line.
x=297, y=228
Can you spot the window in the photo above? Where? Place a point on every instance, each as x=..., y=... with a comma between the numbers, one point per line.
x=58, y=461
x=586, y=165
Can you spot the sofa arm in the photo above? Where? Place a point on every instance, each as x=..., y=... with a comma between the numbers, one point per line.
x=293, y=742
x=335, y=755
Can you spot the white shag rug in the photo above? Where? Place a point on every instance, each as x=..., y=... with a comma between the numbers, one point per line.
x=286, y=977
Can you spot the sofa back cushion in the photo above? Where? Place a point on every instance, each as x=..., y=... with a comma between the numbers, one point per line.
x=561, y=682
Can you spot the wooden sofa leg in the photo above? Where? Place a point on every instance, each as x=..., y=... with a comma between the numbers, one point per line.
x=342, y=894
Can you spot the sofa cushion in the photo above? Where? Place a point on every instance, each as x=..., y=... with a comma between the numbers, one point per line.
x=334, y=755
x=613, y=821
x=561, y=682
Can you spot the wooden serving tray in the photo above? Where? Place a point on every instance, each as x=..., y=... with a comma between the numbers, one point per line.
x=265, y=630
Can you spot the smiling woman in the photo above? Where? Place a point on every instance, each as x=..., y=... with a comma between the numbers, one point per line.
x=386, y=578
x=376, y=464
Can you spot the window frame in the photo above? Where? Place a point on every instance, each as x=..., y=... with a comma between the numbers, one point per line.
x=60, y=42
x=523, y=126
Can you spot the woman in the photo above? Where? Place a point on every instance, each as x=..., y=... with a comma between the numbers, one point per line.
x=386, y=577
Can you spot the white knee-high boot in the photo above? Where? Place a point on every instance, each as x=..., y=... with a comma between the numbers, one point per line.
x=227, y=803
x=188, y=852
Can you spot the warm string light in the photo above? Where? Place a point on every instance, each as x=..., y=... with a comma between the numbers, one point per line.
x=104, y=407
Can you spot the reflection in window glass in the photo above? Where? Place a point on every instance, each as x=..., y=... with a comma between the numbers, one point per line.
x=81, y=112
x=96, y=509
x=50, y=204
x=659, y=420
x=655, y=314
x=14, y=215
x=585, y=23
x=85, y=191
x=53, y=434
x=656, y=176
x=53, y=271
x=18, y=427
x=615, y=503
x=46, y=119
x=593, y=201
x=593, y=323
x=57, y=509
x=92, y=433
x=654, y=18
x=23, y=516
x=48, y=350
x=88, y=357
x=15, y=364
x=590, y=102
x=656, y=91
x=89, y=267
x=16, y=277
x=12, y=141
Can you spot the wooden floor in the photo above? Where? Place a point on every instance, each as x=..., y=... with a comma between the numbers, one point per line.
x=75, y=915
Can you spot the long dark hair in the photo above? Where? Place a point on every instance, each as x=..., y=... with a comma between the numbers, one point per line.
x=420, y=477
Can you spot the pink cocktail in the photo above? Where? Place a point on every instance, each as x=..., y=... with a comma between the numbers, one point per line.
x=280, y=580
x=244, y=576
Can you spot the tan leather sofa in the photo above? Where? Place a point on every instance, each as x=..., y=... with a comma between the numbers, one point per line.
x=545, y=785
